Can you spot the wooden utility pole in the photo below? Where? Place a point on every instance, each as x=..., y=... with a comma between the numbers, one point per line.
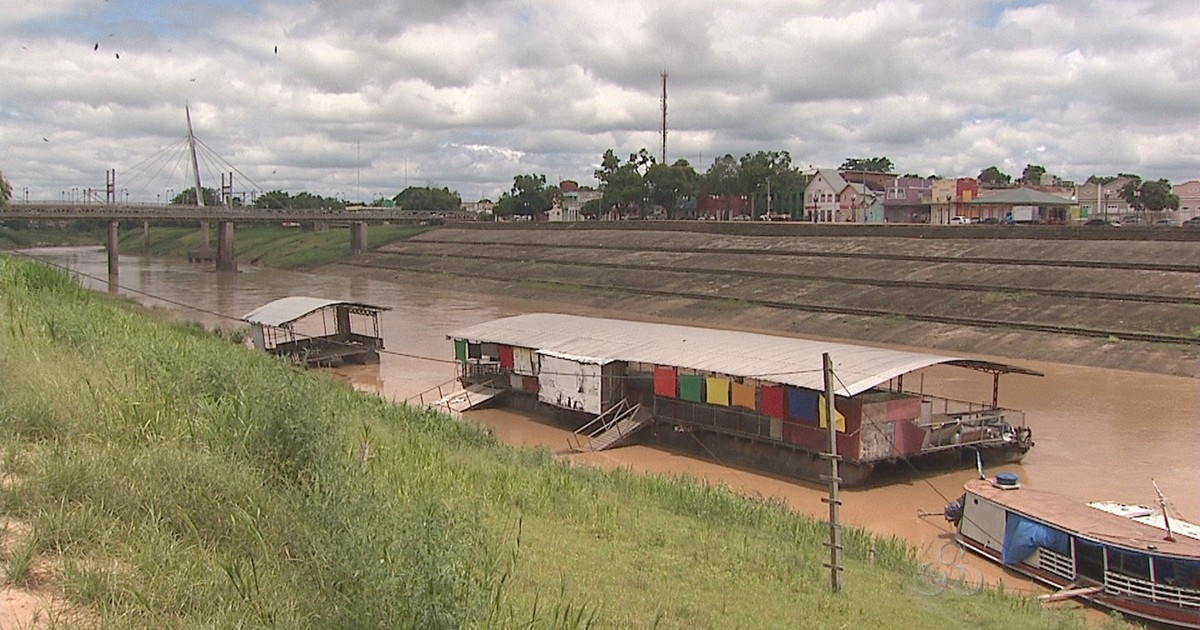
x=664, y=117
x=835, y=504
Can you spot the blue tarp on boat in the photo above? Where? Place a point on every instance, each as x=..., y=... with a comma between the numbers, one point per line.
x=1023, y=536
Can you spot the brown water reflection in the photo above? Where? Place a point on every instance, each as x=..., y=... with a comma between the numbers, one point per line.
x=1101, y=434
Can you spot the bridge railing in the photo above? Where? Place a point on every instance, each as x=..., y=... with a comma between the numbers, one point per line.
x=57, y=210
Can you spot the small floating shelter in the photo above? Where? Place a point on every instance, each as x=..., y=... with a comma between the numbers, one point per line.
x=316, y=331
x=748, y=398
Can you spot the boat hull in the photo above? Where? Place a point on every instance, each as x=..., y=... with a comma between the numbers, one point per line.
x=1125, y=606
x=1089, y=554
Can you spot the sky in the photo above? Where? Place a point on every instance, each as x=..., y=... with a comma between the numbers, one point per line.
x=361, y=98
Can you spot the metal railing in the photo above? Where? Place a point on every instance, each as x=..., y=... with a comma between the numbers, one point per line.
x=94, y=210
x=1119, y=584
x=603, y=423
x=443, y=390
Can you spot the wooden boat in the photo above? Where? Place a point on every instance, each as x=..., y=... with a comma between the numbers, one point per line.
x=317, y=332
x=1126, y=558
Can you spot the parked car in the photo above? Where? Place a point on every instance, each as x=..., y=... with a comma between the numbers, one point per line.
x=959, y=221
x=1193, y=223
x=990, y=221
x=1103, y=222
x=1164, y=223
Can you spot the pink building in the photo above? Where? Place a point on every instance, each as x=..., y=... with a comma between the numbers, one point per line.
x=1189, y=199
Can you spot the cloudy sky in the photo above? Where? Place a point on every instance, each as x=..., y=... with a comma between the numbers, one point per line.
x=354, y=98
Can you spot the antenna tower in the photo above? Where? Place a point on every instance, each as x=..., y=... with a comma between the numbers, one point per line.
x=664, y=116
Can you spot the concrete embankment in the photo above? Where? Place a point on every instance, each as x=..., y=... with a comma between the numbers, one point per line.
x=1125, y=300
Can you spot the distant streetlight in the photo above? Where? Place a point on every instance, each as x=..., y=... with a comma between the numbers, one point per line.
x=126, y=193
x=26, y=195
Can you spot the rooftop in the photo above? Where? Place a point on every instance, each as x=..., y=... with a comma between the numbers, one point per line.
x=286, y=310
x=787, y=360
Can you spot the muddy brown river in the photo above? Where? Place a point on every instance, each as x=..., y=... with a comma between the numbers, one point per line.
x=1100, y=434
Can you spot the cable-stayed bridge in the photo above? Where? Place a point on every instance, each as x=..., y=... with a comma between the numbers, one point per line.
x=91, y=207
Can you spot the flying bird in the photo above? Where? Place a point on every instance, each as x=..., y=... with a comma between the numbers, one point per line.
x=45, y=139
x=276, y=50
x=118, y=55
x=96, y=47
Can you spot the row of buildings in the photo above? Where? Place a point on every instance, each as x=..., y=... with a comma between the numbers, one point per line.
x=834, y=196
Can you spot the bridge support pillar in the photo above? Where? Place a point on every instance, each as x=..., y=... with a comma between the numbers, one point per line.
x=146, y=232
x=113, y=255
x=205, y=243
x=358, y=238
x=226, y=261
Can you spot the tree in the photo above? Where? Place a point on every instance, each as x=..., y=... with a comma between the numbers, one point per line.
x=5, y=191
x=1032, y=174
x=1101, y=180
x=528, y=197
x=723, y=179
x=766, y=172
x=592, y=209
x=670, y=185
x=1158, y=196
x=992, y=176
x=870, y=165
x=187, y=197
x=1154, y=196
x=428, y=199
x=624, y=185
x=278, y=200
x=274, y=200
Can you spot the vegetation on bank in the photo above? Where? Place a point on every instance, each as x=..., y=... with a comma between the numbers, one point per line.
x=156, y=475
x=268, y=245
x=17, y=235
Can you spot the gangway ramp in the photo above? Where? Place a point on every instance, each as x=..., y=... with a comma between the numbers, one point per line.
x=612, y=427
x=459, y=399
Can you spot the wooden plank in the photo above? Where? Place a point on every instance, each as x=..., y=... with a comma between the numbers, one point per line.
x=1069, y=593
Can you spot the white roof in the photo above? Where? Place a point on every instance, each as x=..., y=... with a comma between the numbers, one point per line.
x=289, y=309
x=787, y=360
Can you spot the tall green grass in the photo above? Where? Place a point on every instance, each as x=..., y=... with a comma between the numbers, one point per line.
x=18, y=235
x=170, y=478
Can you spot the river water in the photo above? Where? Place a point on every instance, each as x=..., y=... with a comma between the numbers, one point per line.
x=1100, y=433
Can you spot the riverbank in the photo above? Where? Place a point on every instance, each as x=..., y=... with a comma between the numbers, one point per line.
x=925, y=288
x=202, y=484
x=286, y=497
x=1006, y=298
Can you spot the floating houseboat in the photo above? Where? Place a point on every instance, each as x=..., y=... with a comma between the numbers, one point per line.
x=317, y=332
x=1126, y=558
x=750, y=399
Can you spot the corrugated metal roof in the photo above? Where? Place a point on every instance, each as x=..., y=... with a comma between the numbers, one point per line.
x=1022, y=195
x=289, y=309
x=785, y=360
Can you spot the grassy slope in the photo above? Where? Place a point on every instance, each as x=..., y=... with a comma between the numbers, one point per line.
x=170, y=478
x=17, y=238
x=269, y=245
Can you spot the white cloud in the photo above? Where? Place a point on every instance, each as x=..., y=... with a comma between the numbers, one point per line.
x=331, y=97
